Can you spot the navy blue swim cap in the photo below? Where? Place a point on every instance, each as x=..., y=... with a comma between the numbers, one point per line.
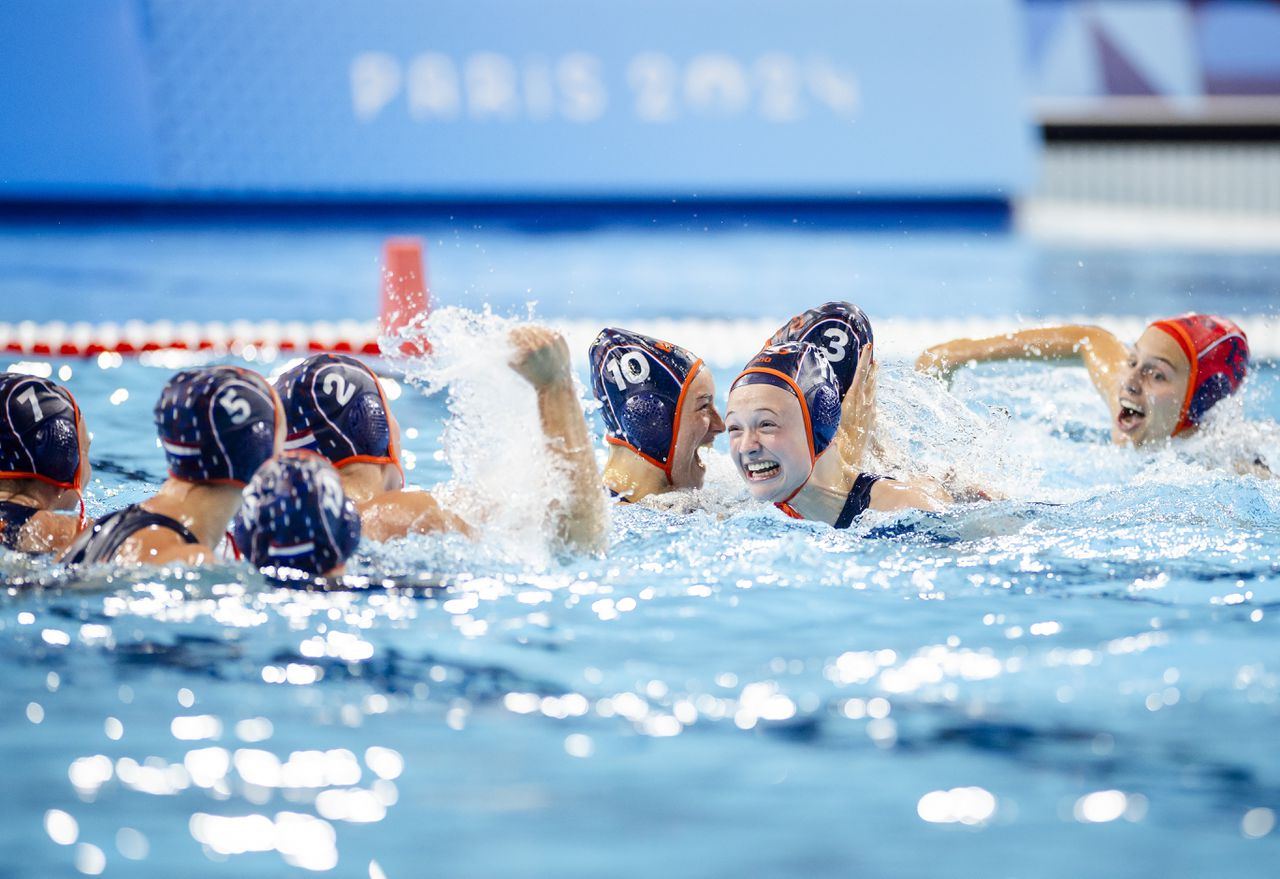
x=335, y=407
x=840, y=331
x=296, y=515
x=216, y=424
x=641, y=383
x=800, y=368
x=39, y=434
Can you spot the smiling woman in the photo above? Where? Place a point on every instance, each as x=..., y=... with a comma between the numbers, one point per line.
x=783, y=415
x=659, y=407
x=1162, y=388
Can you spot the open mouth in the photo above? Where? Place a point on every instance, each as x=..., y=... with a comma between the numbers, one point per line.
x=1130, y=417
x=760, y=471
x=699, y=456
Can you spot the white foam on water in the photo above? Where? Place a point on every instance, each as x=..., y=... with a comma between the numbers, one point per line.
x=504, y=479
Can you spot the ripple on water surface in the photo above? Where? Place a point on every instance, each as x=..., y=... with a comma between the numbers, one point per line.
x=1078, y=676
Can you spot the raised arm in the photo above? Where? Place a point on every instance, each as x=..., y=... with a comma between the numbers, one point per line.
x=1100, y=351
x=541, y=357
x=858, y=413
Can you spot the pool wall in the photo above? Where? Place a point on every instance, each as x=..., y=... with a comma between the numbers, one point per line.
x=322, y=101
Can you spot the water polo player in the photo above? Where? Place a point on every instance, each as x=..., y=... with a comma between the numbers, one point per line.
x=1161, y=388
x=658, y=404
x=336, y=407
x=44, y=464
x=842, y=334
x=296, y=520
x=783, y=415
x=217, y=426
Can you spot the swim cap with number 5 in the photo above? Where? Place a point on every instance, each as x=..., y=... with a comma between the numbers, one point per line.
x=640, y=383
x=216, y=424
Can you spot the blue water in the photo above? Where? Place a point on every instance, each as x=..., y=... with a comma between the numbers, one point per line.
x=1079, y=679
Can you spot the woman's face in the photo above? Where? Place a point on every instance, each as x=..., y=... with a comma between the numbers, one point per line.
x=767, y=441
x=700, y=424
x=1152, y=390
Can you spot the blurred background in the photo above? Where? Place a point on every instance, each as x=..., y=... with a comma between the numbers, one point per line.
x=1130, y=131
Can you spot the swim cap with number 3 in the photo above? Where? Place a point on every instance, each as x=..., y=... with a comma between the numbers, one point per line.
x=839, y=330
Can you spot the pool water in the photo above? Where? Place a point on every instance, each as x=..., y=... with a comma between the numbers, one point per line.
x=1078, y=679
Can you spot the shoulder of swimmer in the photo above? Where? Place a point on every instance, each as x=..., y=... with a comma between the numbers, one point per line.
x=158, y=545
x=891, y=494
x=47, y=531
x=392, y=514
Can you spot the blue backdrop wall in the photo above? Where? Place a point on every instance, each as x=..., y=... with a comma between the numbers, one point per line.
x=228, y=99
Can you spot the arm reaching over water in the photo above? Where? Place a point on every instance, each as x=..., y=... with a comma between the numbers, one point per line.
x=1101, y=352
x=858, y=413
x=541, y=357
x=390, y=514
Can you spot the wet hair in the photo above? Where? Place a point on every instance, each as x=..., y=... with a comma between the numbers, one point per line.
x=296, y=515
x=1218, y=352
x=800, y=369
x=39, y=431
x=335, y=407
x=216, y=424
x=640, y=383
x=840, y=330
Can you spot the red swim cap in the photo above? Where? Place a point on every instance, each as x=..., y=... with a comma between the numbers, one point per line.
x=1219, y=356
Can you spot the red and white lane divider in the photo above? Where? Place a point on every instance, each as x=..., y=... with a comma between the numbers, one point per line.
x=405, y=300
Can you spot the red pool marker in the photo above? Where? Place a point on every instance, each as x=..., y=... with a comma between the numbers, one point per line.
x=405, y=299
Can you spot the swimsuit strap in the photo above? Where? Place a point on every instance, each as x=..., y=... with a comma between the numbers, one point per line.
x=101, y=542
x=13, y=516
x=618, y=496
x=859, y=499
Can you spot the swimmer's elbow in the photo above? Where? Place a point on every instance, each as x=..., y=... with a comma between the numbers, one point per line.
x=910, y=497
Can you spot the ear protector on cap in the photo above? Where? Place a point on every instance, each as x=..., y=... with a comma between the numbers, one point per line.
x=801, y=369
x=840, y=331
x=1218, y=352
x=39, y=431
x=641, y=383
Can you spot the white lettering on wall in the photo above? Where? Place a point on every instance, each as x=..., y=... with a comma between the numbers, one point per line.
x=716, y=85
x=433, y=87
x=491, y=86
x=653, y=78
x=584, y=96
x=781, y=87
x=776, y=87
x=375, y=79
x=836, y=88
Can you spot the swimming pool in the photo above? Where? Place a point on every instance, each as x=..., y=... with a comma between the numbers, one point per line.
x=1078, y=680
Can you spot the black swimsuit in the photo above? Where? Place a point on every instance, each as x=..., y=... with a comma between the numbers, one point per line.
x=859, y=499
x=101, y=542
x=855, y=503
x=12, y=517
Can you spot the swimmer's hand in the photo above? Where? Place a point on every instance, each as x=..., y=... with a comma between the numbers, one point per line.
x=937, y=362
x=540, y=356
